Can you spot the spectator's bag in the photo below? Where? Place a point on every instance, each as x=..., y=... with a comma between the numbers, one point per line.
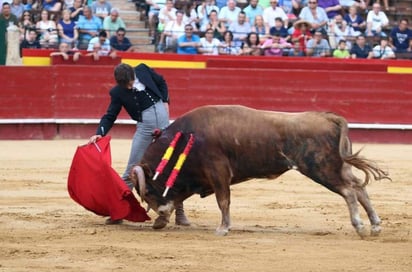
x=96, y=186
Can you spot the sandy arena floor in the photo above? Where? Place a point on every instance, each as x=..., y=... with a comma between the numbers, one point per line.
x=287, y=224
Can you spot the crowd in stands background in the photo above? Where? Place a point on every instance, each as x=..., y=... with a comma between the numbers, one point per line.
x=315, y=28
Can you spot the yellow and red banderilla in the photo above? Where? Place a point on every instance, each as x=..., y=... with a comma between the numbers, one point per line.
x=167, y=155
x=178, y=165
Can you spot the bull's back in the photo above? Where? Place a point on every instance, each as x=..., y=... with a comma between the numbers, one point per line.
x=254, y=141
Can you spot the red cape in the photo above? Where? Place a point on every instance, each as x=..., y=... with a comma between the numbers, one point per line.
x=96, y=186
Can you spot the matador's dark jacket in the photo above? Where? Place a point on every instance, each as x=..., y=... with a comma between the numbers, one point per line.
x=123, y=97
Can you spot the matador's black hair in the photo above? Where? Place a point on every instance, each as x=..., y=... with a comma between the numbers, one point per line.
x=123, y=74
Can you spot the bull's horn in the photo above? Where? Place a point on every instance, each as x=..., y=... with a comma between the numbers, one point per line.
x=141, y=180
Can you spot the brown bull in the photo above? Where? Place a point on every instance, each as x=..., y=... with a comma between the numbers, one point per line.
x=235, y=143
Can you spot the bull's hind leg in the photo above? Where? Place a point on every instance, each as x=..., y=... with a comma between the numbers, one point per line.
x=341, y=184
x=351, y=200
x=364, y=200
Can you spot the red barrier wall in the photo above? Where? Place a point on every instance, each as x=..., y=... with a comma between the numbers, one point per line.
x=82, y=92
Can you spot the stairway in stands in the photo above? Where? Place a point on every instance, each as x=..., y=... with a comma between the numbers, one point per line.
x=137, y=32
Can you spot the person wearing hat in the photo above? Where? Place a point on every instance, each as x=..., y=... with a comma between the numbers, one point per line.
x=301, y=35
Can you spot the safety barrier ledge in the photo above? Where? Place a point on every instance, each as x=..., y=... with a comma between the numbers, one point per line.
x=93, y=121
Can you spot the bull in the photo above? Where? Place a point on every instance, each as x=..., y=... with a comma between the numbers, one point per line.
x=235, y=143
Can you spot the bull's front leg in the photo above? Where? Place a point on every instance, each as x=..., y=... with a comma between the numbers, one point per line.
x=223, y=201
x=164, y=212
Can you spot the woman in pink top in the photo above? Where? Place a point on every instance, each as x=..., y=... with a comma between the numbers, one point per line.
x=275, y=46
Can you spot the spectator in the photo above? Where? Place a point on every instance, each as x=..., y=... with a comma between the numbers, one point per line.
x=77, y=10
x=332, y=7
x=47, y=30
x=280, y=29
x=340, y=30
x=28, y=5
x=67, y=29
x=289, y=6
x=120, y=42
x=167, y=13
x=203, y=11
x=7, y=17
x=68, y=4
x=188, y=42
x=173, y=30
x=104, y=48
x=30, y=42
x=315, y=15
x=208, y=44
x=240, y=29
x=408, y=53
x=253, y=10
x=383, y=50
x=275, y=46
x=218, y=27
x=341, y=52
x=361, y=50
x=17, y=8
x=65, y=51
x=113, y=22
x=385, y=3
x=400, y=36
x=355, y=20
x=360, y=4
x=260, y=28
x=301, y=35
x=155, y=6
x=89, y=26
x=296, y=50
x=251, y=46
x=272, y=12
x=228, y=47
x=376, y=21
x=229, y=13
x=190, y=15
x=317, y=46
x=101, y=8
x=26, y=23
x=52, y=5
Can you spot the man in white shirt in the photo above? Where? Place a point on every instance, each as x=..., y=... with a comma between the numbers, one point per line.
x=208, y=44
x=272, y=12
x=376, y=21
x=240, y=29
x=229, y=13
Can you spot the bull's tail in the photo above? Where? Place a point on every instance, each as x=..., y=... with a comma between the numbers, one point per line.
x=368, y=167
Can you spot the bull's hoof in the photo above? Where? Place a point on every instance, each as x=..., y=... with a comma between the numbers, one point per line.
x=182, y=220
x=375, y=230
x=362, y=232
x=160, y=222
x=221, y=231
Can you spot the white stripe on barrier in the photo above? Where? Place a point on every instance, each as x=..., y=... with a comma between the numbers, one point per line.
x=131, y=122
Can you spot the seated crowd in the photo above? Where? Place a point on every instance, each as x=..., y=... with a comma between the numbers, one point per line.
x=315, y=28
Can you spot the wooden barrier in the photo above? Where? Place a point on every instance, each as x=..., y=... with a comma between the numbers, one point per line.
x=80, y=92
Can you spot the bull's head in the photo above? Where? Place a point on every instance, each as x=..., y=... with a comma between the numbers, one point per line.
x=149, y=192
